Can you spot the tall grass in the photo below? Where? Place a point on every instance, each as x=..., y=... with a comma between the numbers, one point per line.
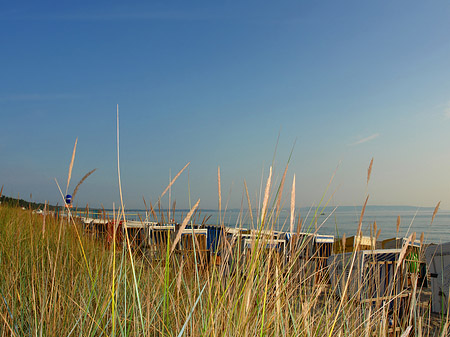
x=47, y=289
x=64, y=282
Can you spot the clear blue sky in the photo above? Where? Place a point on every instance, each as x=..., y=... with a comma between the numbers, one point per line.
x=214, y=83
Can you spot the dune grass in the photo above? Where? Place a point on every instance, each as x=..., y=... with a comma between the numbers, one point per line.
x=57, y=280
x=48, y=289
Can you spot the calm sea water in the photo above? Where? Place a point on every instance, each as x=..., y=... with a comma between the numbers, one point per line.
x=345, y=220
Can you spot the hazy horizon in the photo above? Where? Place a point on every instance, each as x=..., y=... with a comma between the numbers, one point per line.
x=245, y=208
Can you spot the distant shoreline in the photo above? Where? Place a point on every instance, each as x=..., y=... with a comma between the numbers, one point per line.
x=37, y=205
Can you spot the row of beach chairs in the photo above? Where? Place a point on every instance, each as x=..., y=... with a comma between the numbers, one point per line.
x=373, y=272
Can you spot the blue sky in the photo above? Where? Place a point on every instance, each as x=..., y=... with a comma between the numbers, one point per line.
x=213, y=84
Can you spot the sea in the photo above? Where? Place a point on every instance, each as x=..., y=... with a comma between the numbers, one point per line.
x=337, y=220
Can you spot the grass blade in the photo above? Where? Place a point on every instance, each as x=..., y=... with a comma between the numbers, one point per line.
x=81, y=181
x=183, y=226
x=291, y=225
x=69, y=176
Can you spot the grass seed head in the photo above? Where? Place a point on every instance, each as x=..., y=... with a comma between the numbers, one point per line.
x=369, y=171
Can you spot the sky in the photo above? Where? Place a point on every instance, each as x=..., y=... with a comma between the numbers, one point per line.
x=242, y=85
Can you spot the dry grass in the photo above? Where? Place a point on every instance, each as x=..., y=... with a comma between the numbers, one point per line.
x=69, y=176
x=58, y=282
x=369, y=171
x=46, y=289
x=81, y=182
